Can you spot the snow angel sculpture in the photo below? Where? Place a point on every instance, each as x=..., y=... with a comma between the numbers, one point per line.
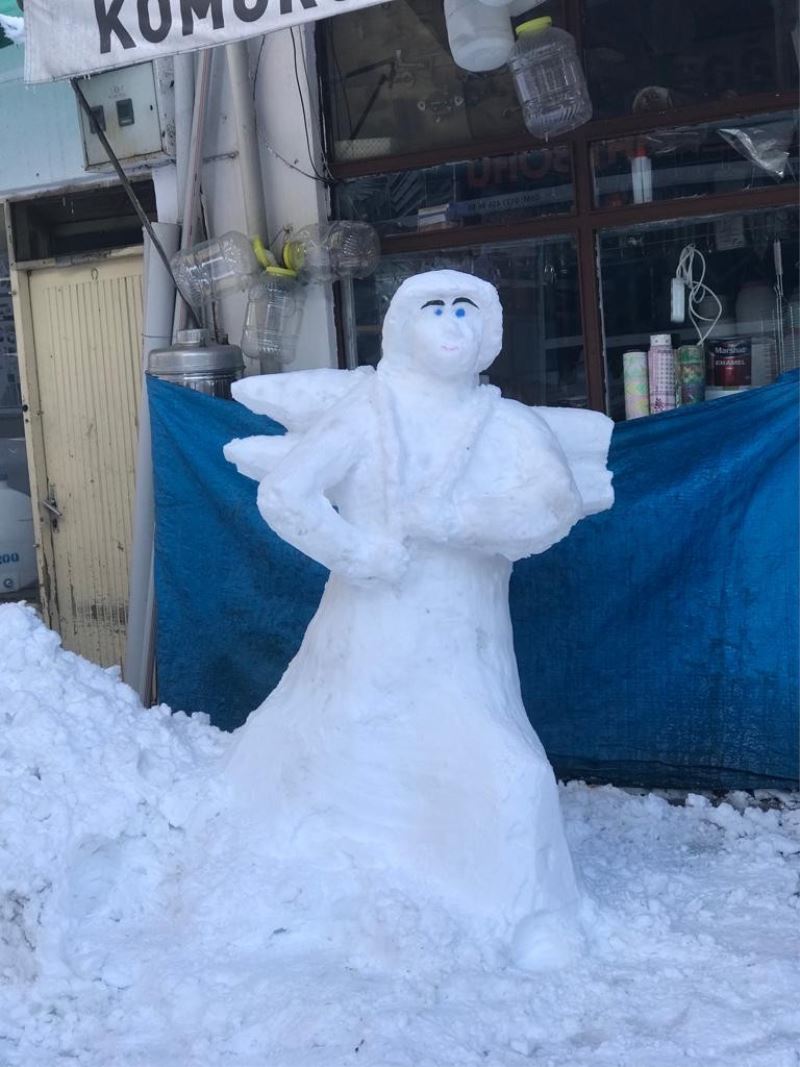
x=397, y=739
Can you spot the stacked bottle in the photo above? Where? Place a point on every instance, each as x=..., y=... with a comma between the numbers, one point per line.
x=273, y=319
x=207, y=271
x=334, y=250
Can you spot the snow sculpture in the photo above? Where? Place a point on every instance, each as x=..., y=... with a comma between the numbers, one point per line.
x=397, y=739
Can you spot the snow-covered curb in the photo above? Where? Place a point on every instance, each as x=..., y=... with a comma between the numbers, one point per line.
x=130, y=936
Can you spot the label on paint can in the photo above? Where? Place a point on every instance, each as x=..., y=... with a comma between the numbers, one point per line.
x=730, y=362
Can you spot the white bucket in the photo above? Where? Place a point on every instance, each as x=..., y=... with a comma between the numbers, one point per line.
x=17, y=551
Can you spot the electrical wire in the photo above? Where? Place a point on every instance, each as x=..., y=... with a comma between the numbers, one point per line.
x=315, y=113
x=129, y=190
x=316, y=176
x=292, y=166
x=258, y=64
x=321, y=177
x=697, y=290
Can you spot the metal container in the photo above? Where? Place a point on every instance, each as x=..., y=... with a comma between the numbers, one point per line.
x=199, y=364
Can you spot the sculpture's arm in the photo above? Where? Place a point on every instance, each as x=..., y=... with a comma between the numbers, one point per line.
x=292, y=501
x=553, y=473
x=518, y=521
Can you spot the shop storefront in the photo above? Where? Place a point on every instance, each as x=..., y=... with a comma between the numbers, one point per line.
x=693, y=141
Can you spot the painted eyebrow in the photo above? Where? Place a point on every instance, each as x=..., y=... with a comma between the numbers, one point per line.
x=434, y=303
x=464, y=300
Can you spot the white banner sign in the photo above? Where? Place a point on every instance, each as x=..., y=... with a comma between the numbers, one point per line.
x=68, y=38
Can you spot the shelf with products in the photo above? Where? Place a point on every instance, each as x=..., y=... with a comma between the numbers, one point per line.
x=751, y=321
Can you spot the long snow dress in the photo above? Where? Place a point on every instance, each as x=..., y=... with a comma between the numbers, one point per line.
x=397, y=738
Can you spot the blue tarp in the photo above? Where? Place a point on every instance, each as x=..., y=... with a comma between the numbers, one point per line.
x=657, y=645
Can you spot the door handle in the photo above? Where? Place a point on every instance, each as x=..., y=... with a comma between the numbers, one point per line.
x=50, y=505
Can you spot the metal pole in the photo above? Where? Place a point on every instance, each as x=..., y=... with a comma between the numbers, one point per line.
x=244, y=113
x=193, y=169
x=159, y=302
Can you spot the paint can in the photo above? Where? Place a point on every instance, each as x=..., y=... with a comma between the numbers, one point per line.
x=691, y=374
x=730, y=363
x=661, y=373
x=637, y=389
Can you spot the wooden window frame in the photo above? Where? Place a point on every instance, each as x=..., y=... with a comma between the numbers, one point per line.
x=585, y=221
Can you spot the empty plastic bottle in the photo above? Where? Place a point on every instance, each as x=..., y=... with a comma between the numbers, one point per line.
x=206, y=271
x=480, y=36
x=549, y=80
x=272, y=323
x=333, y=250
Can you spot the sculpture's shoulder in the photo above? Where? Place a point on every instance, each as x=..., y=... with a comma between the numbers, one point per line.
x=516, y=427
x=514, y=418
x=574, y=436
x=299, y=400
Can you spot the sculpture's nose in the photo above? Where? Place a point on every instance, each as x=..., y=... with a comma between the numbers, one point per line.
x=451, y=330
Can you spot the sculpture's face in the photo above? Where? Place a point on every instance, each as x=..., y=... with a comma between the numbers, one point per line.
x=446, y=334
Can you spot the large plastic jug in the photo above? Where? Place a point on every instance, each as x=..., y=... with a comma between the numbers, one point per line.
x=480, y=36
x=17, y=550
x=272, y=323
x=549, y=80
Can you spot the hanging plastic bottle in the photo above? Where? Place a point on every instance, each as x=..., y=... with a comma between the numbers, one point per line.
x=334, y=250
x=272, y=322
x=549, y=79
x=480, y=35
x=222, y=265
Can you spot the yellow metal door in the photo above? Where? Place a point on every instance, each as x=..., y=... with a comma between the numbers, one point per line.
x=86, y=326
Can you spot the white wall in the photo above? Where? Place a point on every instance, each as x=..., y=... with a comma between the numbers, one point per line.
x=291, y=198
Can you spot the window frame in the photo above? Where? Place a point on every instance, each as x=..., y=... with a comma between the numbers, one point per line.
x=585, y=221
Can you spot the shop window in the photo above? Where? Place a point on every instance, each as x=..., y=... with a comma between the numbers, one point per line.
x=542, y=361
x=652, y=55
x=637, y=265
x=720, y=157
x=394, y=88
x=490, y=190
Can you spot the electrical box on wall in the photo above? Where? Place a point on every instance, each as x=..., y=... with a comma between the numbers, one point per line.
x=135, y=108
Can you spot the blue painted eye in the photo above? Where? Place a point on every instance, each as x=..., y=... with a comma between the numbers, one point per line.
x=438, y=311
x=460, y=313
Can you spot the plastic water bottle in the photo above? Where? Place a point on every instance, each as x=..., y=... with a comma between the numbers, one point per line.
x=206, y=271
x=549, y=79
x=333, y=250
x=480, y=36
x=272, y=323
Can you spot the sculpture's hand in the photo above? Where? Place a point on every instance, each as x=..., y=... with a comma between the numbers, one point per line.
x=376, y=559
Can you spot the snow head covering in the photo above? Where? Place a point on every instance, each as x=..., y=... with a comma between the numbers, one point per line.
x=447, y=285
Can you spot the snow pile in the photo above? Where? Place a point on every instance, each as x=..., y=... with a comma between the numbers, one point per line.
x=135, y=932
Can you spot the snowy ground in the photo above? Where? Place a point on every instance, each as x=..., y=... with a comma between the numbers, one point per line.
x=131, y=934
